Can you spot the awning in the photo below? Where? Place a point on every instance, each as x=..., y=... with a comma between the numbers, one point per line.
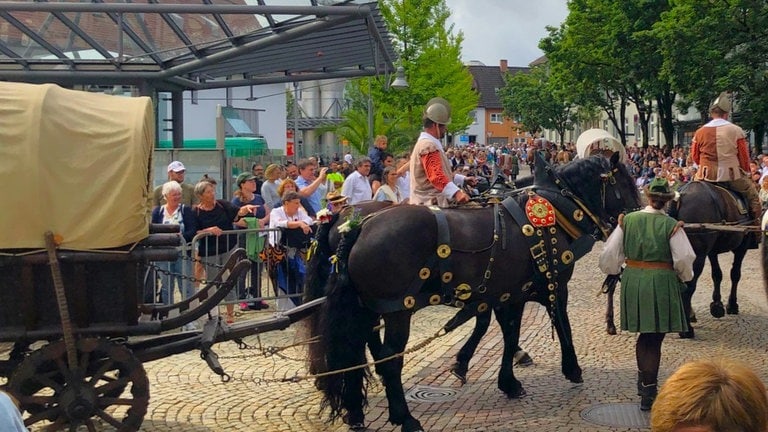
x=191, y=44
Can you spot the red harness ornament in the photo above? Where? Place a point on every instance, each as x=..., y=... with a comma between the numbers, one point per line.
x=540, y=211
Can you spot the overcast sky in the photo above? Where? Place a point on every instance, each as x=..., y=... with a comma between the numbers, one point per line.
x=504, y=29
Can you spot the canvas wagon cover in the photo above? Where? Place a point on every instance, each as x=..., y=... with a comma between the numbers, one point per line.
x=75, y=163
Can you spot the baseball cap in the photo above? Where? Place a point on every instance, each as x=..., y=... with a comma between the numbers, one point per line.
x=176, y=166
x=244, y=177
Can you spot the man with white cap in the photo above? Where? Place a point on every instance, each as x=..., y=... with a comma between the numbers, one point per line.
x=176, y=171
x=721, y=151
x=431, y=179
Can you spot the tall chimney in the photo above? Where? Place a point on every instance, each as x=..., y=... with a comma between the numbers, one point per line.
x=503, y=66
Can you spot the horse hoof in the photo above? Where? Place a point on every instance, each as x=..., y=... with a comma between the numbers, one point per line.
x=355, y=422
x=575, y=378
x=716, y=309
x=732, y=309
x=459, y=370
x=611, y=330
x=686, y=335
x=522, y=359
x=518, y=394
x=412, y=425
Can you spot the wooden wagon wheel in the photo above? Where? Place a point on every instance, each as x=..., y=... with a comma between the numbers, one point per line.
x=92, y=392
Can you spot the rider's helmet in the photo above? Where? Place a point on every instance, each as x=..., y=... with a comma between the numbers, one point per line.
x=438, y=110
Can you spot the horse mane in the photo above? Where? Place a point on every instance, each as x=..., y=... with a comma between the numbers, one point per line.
x=582, y=177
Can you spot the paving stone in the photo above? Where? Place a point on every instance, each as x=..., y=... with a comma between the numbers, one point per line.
x=186, y=395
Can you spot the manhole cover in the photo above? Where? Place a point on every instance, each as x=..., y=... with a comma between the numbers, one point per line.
x=617, y=415
x=421, y=393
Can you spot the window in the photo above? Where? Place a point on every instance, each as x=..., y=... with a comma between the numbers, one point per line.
x=473, y=116
x=651, y=126
x=496, y=118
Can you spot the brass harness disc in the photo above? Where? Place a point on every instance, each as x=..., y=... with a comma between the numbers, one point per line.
x=443, y=251
x=567, y=257
x=424, y=273
x=528, y=230
x=434, y=299
x=463, y=292
x=409, y=302
x=447, y=277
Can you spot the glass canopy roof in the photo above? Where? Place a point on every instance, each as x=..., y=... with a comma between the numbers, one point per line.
x=191, y=44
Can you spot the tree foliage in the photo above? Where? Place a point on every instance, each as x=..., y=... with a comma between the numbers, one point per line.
x=430, y=53
x=661, y=55
x=710, y=47
x=604, y=55
x=537, y=101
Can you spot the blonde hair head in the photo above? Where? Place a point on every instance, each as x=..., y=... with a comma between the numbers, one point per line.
x=722, y=395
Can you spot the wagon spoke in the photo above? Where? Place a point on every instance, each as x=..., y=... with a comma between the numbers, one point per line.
x=108, y=401
x=119, y=383
x=89, y=424
x=46, y=381
x=109, y=419
x=63, y=369
x=48, y=414
x=99, y=374
x=38, y=400
x=57, y=424
x=85, y=359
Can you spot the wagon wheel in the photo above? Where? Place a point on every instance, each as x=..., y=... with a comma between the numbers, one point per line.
x=86, y=395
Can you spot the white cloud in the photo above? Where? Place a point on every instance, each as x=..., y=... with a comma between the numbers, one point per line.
x=504, y=29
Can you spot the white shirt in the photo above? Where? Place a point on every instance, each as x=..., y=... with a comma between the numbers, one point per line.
x=404, y=185
x=357, y=188
x=612, y=257
x=278, y=219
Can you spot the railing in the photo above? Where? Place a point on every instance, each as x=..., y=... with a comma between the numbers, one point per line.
x=272, y=277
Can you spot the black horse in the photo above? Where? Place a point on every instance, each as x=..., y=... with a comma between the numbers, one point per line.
x=327, y=240
x=587, y=195
x=706, y=203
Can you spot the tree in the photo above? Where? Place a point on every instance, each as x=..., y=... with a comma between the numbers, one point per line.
x=431, y=55
x=710, y=47
x=537, y=101
x=604, y=56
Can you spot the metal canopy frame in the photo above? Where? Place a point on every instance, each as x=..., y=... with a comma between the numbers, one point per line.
x=191, y=44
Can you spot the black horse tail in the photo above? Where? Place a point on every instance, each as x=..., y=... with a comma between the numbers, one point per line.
x=343, y=327
x=316, y=278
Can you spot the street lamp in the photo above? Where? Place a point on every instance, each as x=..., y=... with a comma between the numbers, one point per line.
x=399, y=83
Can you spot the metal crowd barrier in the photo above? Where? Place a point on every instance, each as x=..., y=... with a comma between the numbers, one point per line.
x=279, y=283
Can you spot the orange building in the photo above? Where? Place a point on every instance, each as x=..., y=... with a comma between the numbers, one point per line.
x=491, y=126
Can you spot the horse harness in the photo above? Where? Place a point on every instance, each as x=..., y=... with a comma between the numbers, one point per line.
x=540, y=214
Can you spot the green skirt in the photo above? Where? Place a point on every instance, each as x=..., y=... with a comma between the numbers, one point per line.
x=651, y=301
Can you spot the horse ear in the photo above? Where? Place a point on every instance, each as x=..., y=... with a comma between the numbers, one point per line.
x=615, y=158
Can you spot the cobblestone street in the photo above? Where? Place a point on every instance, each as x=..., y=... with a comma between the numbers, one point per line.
x=186, y=395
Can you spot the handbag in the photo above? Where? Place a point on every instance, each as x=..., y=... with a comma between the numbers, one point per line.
x=272, y=256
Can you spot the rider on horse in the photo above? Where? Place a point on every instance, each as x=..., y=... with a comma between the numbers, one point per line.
x=431, y=178
x=721, y=150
